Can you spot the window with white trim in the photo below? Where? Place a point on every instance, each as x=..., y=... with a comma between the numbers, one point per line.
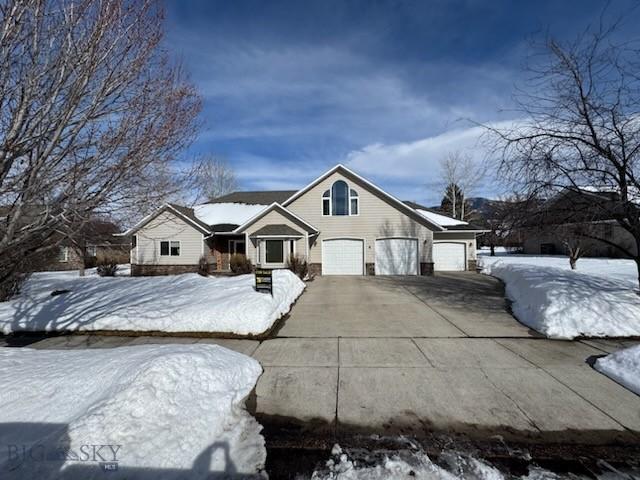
x=340, y=200
x=63, y=254
x=170, y=248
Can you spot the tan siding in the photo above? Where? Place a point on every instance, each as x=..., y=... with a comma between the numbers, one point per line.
x=377, y=219
x=168, y=226
x=467, y=237
x=272, y=218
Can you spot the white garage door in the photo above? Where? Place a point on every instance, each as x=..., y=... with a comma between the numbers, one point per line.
x=449, y=256
x=342, y=257
x=397, y=256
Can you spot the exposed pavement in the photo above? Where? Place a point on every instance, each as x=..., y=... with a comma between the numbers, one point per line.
x=423, y=355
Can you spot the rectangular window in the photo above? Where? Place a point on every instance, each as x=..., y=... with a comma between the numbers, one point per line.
x=168, y=248
x=92, y=251
x=134, y=241
x=63, y=254
x=326, y=206
x=354, y=206
x=274, y=251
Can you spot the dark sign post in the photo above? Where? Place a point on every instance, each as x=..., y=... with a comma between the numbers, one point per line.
x=264, y=280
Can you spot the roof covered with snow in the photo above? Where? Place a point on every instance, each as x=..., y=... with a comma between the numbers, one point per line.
x=226, y=213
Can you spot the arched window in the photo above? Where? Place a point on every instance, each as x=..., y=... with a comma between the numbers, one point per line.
x=340, y=200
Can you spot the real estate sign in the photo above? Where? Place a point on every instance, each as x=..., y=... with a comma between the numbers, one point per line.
x=264, y=280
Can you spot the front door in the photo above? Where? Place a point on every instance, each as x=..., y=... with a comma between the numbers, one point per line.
x=237, y=247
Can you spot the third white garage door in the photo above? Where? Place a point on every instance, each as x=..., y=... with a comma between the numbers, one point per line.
x=343, y=256
x=397, y=256
x=449, y=256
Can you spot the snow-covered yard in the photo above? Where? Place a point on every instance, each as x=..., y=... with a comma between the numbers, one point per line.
x=158, y=411
x=599, y=299
x=622, y=366
x=180, y=303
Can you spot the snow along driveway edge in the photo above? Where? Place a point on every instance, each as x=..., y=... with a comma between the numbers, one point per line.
x=623, y=367
x=566, y=304
x=184, y=304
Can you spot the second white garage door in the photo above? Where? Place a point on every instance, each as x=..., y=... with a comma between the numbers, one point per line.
x=397, y=256
x=342, y=257
x=449, y=256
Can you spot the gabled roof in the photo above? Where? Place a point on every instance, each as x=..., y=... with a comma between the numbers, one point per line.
x=184, y=213
x=279, y=230
x=265, y=198
x=400, y=205
x=276, y=206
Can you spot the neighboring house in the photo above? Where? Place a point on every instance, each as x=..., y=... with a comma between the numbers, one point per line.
x=341, y=223
x=103, y=241
x=587, y=217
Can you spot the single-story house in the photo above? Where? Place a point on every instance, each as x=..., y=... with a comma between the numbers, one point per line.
x=584, y=216
x=341, y=223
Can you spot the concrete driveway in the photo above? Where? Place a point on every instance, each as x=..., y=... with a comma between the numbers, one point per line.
x=450, y=305
x=429, y=355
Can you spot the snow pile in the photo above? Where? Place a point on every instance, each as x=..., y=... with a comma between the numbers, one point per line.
x=233, y=213
x=566, y=304
x=622, y=366
x=405, y=464
x=441, y=220
x=619, y=270
x=180, y=303
x=159, y=411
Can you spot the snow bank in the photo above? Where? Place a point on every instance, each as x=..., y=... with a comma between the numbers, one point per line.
x=566, y=304
x=615, y=269
x=161, y=411
x=622, y=366
x=180, y=303
x=233, y=213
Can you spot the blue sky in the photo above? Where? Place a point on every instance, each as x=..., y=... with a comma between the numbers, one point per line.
x=291, y=88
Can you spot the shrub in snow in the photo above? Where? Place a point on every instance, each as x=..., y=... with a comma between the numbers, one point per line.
x=203, y=266
x=106, y=265
x=298, y=265
x=240, y=264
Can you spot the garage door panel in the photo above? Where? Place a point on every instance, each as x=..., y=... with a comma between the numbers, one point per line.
x=343, y=257
x=449, y=256
x=397, y=256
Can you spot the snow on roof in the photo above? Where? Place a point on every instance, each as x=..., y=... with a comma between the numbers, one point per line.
x=230, y=213
x=438, y=219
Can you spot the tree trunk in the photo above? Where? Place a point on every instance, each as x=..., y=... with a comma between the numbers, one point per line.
x=572, y=262
x=637, y=259
x=492, y=247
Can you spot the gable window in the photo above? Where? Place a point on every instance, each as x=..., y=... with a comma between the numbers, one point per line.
x=340, y=200
x=169, y=249
x=353, y=199
x=326, y=203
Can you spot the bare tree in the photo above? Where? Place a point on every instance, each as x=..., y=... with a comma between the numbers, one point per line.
x=460, y=176
x=581, y=128
x=92, y=114
x=213, y=178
